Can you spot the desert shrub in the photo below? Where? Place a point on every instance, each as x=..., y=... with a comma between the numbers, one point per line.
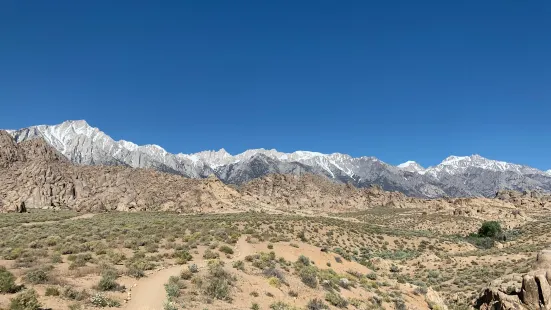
x=490, y=229
x=75, y=307
x=36, y=276
x=336, y=300
x=274, y=272
x=138, y=264
x=135, y=272
x=168, y=305
x=186, y=274
x=116, y=257
x=56, y=258
x=193, y=268
x=73, y=294
x=226, y=249
x=316, y=304
x=303, y=260
x=481, y=242
x=372, y=276
x=26, y=300
x=7, y=281
x=182, y=257
x=101, y=301
x=344, y=283
x=420, y=290
x=270, y=246
x=108, y=282
x=255, y=306
x=152, y=248
x=293, y=293
x=79, y=260
x=172, y=289
x=52, y=291
x=210, y=254
x=308, y=276
x=281, y=306
x=239, y=265
x=218, y=282
x=273, y=281
x=399, y=304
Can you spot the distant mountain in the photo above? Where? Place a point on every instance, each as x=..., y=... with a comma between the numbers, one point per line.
x=411, y=166
x=455, y=176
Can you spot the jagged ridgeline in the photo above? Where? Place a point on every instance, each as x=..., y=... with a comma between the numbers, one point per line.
x=454, y=177
x=35, y=175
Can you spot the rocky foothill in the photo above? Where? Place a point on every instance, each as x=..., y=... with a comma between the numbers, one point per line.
x=520, y=291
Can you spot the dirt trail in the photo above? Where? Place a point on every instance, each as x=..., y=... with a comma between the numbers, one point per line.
x=83, y=216
x=150, y=293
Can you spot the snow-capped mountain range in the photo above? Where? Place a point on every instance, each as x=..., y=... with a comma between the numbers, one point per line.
x=455, y=176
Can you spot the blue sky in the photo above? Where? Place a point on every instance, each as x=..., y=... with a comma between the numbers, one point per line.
x=398, y=80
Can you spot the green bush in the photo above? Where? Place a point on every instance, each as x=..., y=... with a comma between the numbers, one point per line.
x=336, y=300
x=7, y=281
x=182, y=257
x=309, y=276
x=101, y=301
x=172, y=290
x=186, y=274
x=168, y=305
x=316, y=304
x=108, y=283
x=27, y=300
x=52, y=291
x=218, y=283
x=36, y=276
x=226, y=249
x=239, y=265
x=303, y=260
x=490, y=229
x=210, y=254
x=135, y=272
x=73, y=294
x=281, y=306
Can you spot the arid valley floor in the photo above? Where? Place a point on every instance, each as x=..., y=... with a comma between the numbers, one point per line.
x=380, y=258
x=83, y=237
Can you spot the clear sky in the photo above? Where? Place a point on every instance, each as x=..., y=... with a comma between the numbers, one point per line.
x=398, y=80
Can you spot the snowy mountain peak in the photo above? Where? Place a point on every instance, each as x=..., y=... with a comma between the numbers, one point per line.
x=411, y=166
x=459, y=164
x=84, y=144
x=213, y=159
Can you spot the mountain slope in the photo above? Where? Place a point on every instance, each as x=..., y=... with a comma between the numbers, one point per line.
x=455, y=176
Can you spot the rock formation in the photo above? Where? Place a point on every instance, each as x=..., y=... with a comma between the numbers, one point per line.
x=516, y=291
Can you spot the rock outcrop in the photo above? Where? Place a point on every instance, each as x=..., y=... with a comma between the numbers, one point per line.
x=34, y=175
x=516, y=291
x=315, y=192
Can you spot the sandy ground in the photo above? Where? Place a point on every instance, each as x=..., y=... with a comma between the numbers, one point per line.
x=83, y=216
x=149, y=293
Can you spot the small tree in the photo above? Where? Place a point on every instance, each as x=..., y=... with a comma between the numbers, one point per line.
x=490, y=229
